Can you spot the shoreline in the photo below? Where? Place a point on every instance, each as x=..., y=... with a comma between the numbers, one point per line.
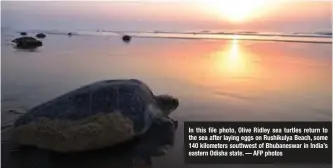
x=315, y=39
x=269, y=40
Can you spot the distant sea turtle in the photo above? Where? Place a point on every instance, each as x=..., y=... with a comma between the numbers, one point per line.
x=40, y=35
x=127, y=38
x=27, y=42
x=95, y=116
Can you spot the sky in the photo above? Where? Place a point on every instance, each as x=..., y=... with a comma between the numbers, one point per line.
x=164, y=15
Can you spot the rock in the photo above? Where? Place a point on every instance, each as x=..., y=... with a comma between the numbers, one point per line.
x=99, y=115
x=69, y=34
x=40, y=35
x=127, y=38
x=27, y=43
x=23, y=34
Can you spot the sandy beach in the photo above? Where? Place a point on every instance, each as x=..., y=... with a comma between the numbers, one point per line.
x=215, y=80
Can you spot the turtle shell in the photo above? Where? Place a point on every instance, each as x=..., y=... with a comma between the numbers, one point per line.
x=27, y=42
x=97, y=115
x=157, y=142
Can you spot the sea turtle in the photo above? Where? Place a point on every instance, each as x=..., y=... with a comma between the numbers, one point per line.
x=98, y=115
x=27, y=42
x=126, y=38
x=40, y=35
x=156, y=142
x=23, y=33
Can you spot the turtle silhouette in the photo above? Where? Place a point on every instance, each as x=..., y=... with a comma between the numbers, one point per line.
x=95, y=116
x=156, y=142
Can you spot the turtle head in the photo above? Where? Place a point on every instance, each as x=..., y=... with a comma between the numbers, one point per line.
x=167, y=103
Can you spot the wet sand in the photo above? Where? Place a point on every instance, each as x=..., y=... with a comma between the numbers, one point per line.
x=215, y=80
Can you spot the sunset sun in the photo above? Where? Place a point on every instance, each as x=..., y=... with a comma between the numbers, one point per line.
x=236, y=10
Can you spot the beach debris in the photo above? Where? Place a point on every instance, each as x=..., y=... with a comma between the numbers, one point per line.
x=41, y=35
x=27, y=43
x=98, y=115
x=127, y=38
x=23, y=33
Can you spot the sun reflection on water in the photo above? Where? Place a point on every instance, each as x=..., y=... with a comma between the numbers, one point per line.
x=232, y=62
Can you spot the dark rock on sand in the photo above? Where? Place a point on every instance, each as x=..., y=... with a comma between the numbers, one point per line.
x=23, y=34
x=70, y=34
x=27, y=43
x=40, y=35
x=127, y=38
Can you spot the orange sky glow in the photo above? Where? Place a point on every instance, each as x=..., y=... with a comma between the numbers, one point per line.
x=199, y=14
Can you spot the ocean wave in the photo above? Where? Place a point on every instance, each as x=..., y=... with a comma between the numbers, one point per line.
x=325, y=33
x=314, y=37
x=247, y=39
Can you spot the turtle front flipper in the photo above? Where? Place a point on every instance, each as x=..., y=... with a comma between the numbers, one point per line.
x=158, y=140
